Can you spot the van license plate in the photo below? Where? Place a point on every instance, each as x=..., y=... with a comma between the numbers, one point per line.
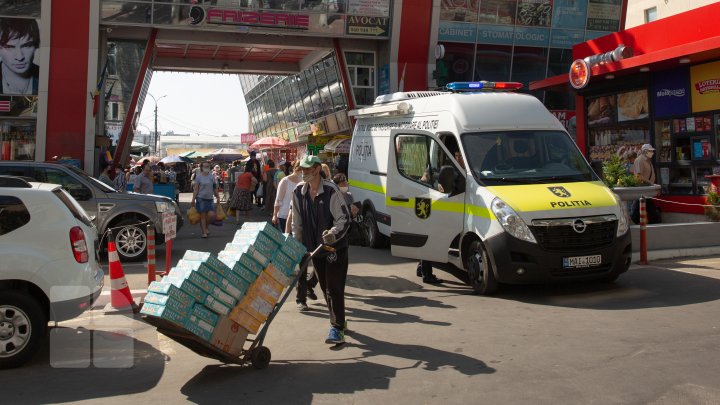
x=581, y=261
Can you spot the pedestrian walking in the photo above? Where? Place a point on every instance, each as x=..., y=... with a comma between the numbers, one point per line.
x=321, y=216
x=203, y=191
x=241, y=199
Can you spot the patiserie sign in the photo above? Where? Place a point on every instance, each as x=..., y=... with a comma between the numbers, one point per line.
x=245, y=17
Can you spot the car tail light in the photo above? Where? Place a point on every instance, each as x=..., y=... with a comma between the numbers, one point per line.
x=78, y=244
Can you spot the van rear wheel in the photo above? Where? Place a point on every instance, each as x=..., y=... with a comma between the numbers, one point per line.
x=480, y=273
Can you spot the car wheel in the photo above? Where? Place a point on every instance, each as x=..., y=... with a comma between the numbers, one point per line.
x=23, y=324
x=480, y=274
x=130, y=240
x=374, y=238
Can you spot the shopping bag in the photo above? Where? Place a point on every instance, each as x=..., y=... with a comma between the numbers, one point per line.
x=220, y=213
x=193, y=215
x=358, y=234
x=230, y=212
x=259, y=192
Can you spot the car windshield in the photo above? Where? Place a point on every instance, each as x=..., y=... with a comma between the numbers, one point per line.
x=519, y=157
x=97, y=183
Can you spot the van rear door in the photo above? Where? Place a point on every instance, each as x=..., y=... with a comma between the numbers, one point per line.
x=427, y=209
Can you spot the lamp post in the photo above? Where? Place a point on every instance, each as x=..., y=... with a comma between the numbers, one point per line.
x=155, y=138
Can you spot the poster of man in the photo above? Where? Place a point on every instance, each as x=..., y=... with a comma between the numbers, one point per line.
x=19, y=42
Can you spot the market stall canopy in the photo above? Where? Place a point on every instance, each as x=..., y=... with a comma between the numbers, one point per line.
x=270, y=142
x=137, y=148
x=339, y=145
x=226, y=155
x=175, y=159
x=151, y=159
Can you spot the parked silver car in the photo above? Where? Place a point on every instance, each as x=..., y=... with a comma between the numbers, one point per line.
x=108, y=208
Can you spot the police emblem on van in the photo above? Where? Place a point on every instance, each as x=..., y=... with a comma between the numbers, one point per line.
x=422, y=207
x=560, y=191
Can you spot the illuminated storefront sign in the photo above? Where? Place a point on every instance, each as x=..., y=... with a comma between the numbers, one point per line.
x=243, y=17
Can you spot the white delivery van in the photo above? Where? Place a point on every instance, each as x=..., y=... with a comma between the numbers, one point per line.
x=519, y=205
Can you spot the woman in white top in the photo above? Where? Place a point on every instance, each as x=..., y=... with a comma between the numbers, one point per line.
x=284, y=196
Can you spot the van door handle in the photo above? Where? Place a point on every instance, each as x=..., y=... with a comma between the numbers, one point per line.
x=401, y=199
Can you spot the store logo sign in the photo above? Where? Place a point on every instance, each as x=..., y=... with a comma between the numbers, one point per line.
x=671, y=93
x=708, y=86
x=264, y=18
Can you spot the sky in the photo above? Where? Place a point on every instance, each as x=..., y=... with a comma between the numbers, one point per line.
x=195, y=103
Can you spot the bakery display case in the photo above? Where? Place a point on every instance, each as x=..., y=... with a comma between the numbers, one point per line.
x=617, y=124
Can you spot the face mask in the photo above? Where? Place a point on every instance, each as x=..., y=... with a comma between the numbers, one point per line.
x=308, y=177
x=344, y=189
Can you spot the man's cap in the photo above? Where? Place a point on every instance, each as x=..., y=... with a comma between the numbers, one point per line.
x=647, y=146
x=310, y=161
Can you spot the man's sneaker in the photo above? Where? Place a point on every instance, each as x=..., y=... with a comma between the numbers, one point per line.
x=335, y=337
x=302, y=307
x=345, y=329
x=311, y=294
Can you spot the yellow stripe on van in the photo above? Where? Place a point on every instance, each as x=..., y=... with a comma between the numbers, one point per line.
x=482, y=212
x=377, y=188
x=446, y=206
x=560, y=196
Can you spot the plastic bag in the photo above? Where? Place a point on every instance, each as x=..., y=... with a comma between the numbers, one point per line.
x=193, y=215
x=259, y=192
x=220, y=213
x=230, y=212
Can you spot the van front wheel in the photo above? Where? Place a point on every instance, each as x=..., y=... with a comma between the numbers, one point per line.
x=480, y=274
x=374, y=238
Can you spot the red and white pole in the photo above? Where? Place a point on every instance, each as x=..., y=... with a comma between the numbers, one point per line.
x=151, y=253
x=643, y=232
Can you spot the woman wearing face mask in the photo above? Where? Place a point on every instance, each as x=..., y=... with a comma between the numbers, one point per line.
x=203, y=191
x=341, y=181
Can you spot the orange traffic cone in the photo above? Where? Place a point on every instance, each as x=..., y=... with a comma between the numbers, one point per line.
x=120, y=296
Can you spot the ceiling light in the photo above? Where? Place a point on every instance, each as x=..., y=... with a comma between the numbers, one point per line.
x=644, y=69
x=609, y=77
x=684, y=60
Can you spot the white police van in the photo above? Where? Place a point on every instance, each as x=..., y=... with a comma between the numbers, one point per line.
x=520, y=204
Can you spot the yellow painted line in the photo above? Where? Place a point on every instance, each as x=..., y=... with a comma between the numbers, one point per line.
x=377, y=188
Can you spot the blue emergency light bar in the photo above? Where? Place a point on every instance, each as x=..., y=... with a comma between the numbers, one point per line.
x=482, y=85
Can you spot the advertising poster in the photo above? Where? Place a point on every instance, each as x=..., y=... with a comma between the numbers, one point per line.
x=569, y=14
x=670, y=93
x=632, y=105
x=497, y=12
x=369, y=7
x=601, y=110
x=19, y=44
x=604, y=15
x=534, y=13
x=705, y=86
x=459, y=10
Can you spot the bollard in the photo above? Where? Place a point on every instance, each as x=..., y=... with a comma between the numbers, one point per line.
x=168, y=256
x=151, y=253
x=643, y=232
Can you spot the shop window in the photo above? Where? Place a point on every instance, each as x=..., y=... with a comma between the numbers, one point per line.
x=17, y=139
x=497, y=12
x=650, y=14
x=361, y=73
x=528, y=64
x=492, y=63
x=459, y=11
x=112, y=111
x=456, y=65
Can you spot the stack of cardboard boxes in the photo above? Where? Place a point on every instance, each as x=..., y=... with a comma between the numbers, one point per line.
x=225, y=297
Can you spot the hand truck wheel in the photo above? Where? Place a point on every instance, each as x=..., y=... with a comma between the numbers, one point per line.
x=260, y=357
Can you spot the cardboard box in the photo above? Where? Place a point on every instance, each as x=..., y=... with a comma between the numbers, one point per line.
x=284, y=263
x=181, y=306
x=207, y=258
x=266, y=286
x=293, y=248
x=277, y=275
x=185, y=285
x=216, y=305
x=250, y=263
x=267, y=228
x=202, y=312
x=237, y=268
x=244, y=319
x=163, y=312
x=262, y=242
x=168, y=289
x=256, y=254
x=229, y=336
x=256, y=306
x=203, y=268
x=199, y=327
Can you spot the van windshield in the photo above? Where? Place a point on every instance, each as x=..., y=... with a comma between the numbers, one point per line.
x=498, y=158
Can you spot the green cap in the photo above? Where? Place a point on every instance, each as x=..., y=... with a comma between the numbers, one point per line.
x=310, y=161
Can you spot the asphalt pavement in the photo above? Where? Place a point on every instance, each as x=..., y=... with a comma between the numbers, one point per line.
x=649, y=338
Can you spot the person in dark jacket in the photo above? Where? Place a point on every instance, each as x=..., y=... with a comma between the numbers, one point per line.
x=320, y=215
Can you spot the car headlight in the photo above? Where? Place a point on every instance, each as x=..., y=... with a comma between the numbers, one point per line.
x=164, y=206
x=511, y=221
x=623, y=223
